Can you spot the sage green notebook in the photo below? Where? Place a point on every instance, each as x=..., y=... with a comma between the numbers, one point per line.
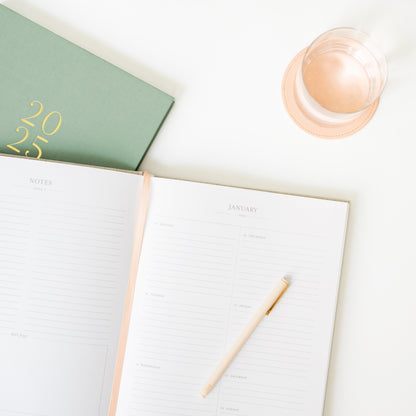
x=60, y=102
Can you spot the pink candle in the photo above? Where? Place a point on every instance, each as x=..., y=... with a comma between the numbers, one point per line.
x=337, y=81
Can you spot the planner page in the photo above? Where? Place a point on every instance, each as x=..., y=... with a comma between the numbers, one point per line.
x=66, y=235
x=211, y=255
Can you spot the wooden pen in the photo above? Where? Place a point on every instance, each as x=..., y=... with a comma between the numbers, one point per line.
x=264, y=310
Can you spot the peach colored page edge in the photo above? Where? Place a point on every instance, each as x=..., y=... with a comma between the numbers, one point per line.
x=137, y=248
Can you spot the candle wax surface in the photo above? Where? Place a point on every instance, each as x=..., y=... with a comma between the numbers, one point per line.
x=337, y=81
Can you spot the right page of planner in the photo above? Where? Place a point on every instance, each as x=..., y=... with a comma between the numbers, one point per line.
x=211, y=255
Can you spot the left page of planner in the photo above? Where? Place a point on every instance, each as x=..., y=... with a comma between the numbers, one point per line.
x=66, y=238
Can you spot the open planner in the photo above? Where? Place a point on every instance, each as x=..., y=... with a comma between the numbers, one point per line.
x=120, y=292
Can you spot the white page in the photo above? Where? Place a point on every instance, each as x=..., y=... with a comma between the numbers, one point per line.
x=211, y=255
x=66, y=235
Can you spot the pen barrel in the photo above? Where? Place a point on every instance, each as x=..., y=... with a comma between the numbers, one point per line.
x=244, y=336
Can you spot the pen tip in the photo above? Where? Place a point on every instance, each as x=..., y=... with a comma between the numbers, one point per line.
x=287, y=279
x=205, y=390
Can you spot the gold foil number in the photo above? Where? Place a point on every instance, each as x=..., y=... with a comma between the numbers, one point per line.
x=25, y=120
x=36, y=147
x=51, y=123
x=58, y=124
x=11, y=146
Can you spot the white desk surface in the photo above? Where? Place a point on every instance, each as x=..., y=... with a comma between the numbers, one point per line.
x=224, y=61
